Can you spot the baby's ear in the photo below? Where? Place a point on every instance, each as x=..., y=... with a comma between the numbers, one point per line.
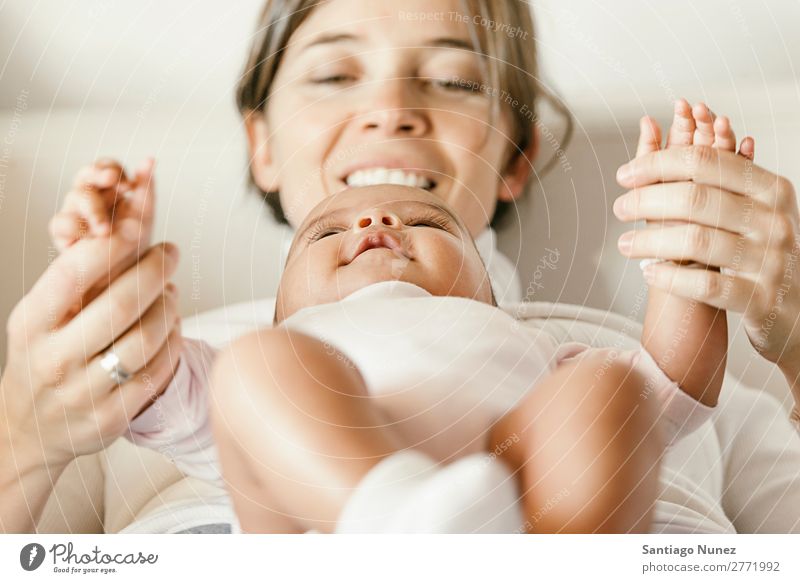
x=262, y=167
x=518, y=170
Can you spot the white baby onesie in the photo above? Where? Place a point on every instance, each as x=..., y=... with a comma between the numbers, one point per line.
x=443, y=369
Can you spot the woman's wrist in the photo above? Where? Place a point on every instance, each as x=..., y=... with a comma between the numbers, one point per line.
x=26, y=483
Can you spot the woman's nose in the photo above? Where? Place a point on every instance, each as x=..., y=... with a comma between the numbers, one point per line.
x=377, y=217
x=391, y=110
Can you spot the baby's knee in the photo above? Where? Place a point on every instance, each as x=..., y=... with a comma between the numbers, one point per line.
x=255, y=360
x=280, y=361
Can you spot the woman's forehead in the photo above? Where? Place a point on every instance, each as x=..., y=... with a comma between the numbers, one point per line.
x=409, y=23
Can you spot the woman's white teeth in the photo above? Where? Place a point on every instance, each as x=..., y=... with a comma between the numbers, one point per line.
x=387, y=176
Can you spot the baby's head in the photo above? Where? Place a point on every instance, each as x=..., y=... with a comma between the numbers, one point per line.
x=379, y=233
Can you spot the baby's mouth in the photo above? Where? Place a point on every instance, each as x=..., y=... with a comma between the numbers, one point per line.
x=378, y=239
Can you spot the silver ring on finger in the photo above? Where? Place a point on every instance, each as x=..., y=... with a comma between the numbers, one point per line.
x=113, y=366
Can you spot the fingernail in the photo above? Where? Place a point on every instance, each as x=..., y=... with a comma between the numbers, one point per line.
x=649, y=274
x=624, y=173
x=625, y=241
x=621, y=205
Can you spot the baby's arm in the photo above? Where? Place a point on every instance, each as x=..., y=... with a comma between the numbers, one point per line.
x=177, y=425
x=689, y=339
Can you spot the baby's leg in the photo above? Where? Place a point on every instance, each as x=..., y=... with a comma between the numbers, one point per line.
x=296, y=430
x=586, y=448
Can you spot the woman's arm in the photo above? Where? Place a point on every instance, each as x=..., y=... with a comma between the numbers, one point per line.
x=25, y=485
x=740, y=217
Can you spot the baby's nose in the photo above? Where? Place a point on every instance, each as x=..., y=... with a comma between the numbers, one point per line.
x=377, y=217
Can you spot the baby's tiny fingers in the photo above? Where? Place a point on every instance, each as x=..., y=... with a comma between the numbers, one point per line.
x=66, y=228
x=104, y=173
x=704, y=120
x=724, y=136
x=681, y=132
x=111, y=171
x=90, y=205
x=748, y=148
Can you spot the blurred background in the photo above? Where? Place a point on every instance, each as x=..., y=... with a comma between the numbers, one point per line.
x=90, y=78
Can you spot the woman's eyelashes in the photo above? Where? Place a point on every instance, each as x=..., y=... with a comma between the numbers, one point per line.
x=452, y=84
x=336, y=79
x=447, y=79
x=456, y=84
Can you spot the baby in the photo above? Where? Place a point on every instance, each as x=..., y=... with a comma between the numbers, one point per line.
x=390, y=365
x=388, y=340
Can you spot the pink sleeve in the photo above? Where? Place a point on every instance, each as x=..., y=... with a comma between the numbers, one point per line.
x=680, y=414
x=177, y=425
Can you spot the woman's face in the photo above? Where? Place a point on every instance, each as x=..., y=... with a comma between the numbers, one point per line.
x=374, y=92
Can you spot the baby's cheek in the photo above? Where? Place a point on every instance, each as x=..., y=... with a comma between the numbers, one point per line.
x=456, y=264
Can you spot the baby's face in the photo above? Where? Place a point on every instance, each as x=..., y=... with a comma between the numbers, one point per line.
x=378, y=233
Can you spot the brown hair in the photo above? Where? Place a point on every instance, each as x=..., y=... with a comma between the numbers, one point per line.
x=511, y=65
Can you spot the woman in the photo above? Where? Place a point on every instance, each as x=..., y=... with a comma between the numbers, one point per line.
x=345, y=102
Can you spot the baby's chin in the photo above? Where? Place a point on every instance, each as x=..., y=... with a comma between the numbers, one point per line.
x=375, y=267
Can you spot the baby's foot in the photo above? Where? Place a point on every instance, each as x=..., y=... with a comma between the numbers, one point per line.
x=696, y=126
x=699, y=126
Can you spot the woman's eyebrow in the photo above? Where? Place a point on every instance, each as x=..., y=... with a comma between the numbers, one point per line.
x=451, y=43
x=446, y=42
x=328, y=39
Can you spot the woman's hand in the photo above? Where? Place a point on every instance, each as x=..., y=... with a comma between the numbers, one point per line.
x=740, y=217
x=56, y=401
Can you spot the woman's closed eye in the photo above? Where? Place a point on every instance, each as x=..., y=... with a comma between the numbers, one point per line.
x=335, y=70
x=457, y=84
x=336, y=79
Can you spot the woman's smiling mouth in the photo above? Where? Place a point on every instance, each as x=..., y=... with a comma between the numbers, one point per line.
x=384, y=175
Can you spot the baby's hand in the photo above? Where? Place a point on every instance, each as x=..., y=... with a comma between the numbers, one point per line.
x=103, y=199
